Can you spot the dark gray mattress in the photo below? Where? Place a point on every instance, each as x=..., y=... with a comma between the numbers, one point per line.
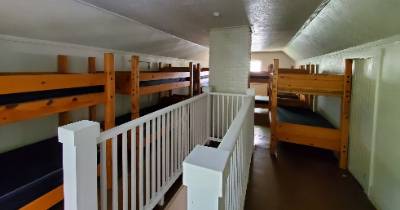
x=302, y=116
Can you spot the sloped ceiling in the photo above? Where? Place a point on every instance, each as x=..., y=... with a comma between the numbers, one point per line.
x=275, y=22
x=345, y=23
x=79, y=23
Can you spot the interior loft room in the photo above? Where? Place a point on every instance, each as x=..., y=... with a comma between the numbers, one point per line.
x=199, y=105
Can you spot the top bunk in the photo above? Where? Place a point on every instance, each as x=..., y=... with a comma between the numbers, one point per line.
x=142, y=83
x=28, y=95
x=165, y=79
x=260, y=77
x=304, y=82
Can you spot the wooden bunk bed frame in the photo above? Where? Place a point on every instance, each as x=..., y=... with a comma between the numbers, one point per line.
x=129, y=82
x=15, y=83
x=265, y=77
x=200, y=74
x=312, y=84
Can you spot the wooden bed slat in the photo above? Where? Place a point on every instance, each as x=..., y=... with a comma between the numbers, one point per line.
x=47, y=200
x=318, y=84
x=123, y=79
x=163, y=87
x=21, y=83
x=24, y=111
x=326, y=138
x=148, y=76
x=292, y=71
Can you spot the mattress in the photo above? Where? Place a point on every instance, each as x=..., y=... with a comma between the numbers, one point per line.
x=30, y=172
x=41, y=95
x=302, y=116
x=261, y=99
x=162, y=81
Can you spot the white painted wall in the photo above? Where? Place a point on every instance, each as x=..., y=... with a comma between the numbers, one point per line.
x=230, y=59
x=25, y=55
x=267, y=58
x=381, y=119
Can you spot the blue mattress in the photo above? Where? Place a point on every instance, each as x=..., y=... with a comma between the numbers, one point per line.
x=15, y=98
x=302, y=116
x=29, y=172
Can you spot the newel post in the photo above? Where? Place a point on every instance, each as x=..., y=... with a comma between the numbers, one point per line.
x=204, y=174
x=80, y=164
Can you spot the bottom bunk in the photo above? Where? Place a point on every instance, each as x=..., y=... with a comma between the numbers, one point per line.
x=303, y=126
x=261, y=101
x=30, y=172
x=36, y=170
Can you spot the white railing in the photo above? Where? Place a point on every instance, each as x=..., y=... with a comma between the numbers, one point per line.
x=159, y=142
x=216, y=178
x=146, y=154
x=223, y=109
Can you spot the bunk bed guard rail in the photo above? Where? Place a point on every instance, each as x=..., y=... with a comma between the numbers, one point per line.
x=147, y=153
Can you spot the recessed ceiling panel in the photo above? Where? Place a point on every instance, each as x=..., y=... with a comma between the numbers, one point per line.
x=187, y=19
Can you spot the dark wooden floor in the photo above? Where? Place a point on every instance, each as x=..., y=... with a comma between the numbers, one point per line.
x=302, y=178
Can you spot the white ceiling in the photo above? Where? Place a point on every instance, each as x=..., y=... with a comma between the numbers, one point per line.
x=179, y=28
x=346, y=23
x=76, y=22
x=275, y=22
x=188, y=19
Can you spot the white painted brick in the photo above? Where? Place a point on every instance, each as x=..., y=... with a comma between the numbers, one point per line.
x=230, y=59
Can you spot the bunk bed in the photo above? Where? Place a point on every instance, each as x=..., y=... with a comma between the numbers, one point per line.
x=31, y=176
x=201, y=79
x=136, y=83
x=287, y=99
x=302, y=125
x=263, y=78
x=200, y=75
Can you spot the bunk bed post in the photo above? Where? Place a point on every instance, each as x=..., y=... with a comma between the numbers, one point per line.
x=307, y=97
x=92, y=70
x=197, y=79
x=62, y=67
x=134, y=91
x=274, y=107
x=191, y=79
x=170, y=91
x=109, y=113
x=345, y=114
x=311, y=99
